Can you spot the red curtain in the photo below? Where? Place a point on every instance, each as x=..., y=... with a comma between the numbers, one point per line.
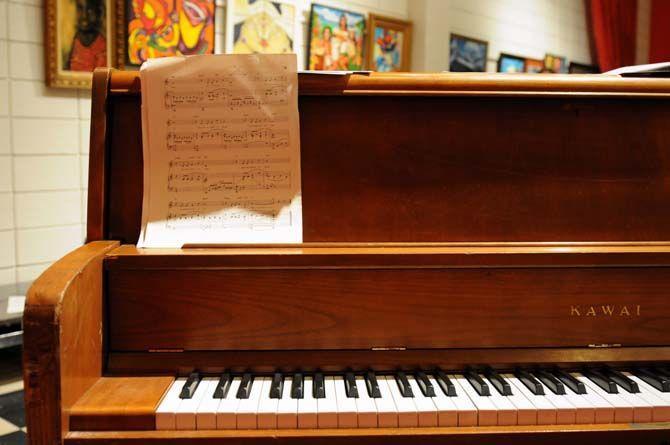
x=613, y=26
x=659, y=39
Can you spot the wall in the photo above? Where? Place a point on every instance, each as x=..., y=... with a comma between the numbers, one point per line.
x=528, y=28
x=44, y=140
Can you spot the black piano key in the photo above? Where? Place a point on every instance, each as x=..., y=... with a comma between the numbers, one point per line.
x=244, y=390
x=403, y=384
x=601, y=380
x=653, y=378
x=621, y=380
x=529, y=382
x=477, y=382
x=350, y=387
x=665, y=372
x=277, y=386
x=318, y=386
x=570, y=381
x=500, y=384
x=551, y=382
x=372, y=385
x=445, y=383
x=223, y=386
x=298, y=386
x=424, y=384
x=190, y=386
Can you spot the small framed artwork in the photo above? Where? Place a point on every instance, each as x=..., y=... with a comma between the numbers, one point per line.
x=260, y=26
x=335, y=39
x=534, y=65
x=162, y=28
x=508, y=63
x=389, y=44
x=467, y=54
x=79, y=38
x=555, y=64
x=580, y=68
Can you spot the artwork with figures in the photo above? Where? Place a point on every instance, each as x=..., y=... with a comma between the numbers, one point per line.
x=78, y=41
x=335, y=39
x=161, y=28
x=260, y=26
x=508, y=63
x=388, y=44
x=467, y=54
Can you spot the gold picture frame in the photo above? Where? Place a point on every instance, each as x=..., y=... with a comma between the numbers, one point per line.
x=72, y=38
x=383, y=53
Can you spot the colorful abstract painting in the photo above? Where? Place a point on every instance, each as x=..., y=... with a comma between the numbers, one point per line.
x=160, y=28
x=508, y=63
x=260, y=27
x=534, y=65
x=388, y=44
x=467, y=54
x=335, y=39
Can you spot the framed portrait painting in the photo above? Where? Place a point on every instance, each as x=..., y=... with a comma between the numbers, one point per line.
x=79, y=38
x=467, y=54
x=335, y=39
x=260, y=26
x=161, y=28
x=389, y=44
x=508, y=63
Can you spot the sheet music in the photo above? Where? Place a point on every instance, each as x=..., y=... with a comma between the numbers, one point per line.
x=221, y=150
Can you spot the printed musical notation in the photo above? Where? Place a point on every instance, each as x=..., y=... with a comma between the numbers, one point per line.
x=223, y=151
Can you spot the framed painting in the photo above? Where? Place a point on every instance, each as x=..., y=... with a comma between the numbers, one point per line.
x=161, y=28
x=260, y=26
x=534, y=65
x=580, y=68
x=335, y=39
x=389, y=44
x=467, y=54
x=555, y=64
x=507, y=63
x=79, y=38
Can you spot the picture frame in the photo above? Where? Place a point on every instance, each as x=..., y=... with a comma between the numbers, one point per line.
x=389, y=44
x=261, y=26
x=335, y=39
x=580, y=68
x=509, y=63
x=79, y=37
x=138, y=39
x=534, y=65
x=467, y=54
x=555, y=64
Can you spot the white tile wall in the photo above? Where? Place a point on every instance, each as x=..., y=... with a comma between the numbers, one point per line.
x=34, y=99
x=37, y=173
x=7, y=276
x=39, y=209
x=45, y=244
x=5, y=145
x=26, y=60
x=6, y=211
x=25, y=23
x=55, y=136
x=4, y=97
x=5, y=173
x=7, y=248
x=3, y=58
x=30, y=273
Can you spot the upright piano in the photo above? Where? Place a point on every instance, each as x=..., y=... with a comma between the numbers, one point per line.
x=486, y=259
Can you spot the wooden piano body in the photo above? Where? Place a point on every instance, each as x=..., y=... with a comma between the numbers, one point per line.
x=449, y=220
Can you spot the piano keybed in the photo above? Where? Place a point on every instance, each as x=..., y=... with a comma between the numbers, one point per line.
x=430, y=398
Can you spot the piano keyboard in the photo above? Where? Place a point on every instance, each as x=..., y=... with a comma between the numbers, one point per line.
x=418, y=399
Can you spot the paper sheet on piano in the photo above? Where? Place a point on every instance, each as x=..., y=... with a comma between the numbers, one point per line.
x=221, y=150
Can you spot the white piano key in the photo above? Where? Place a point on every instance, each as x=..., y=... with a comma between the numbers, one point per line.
x=526, y=411
x=347, y=417
x=623, y=411
x=660, y=407
x=205, y=415
x=165, y=413
x=185, y=415
x=287, y=408
x=585, y=412
x=507, y=414
x=407, y=414
x=226, y=413
x=546, y=412
x=487, y=414
x=467, y=411
x=267, y=408
x=327, y=406
x=425, y=407
x=307, y=406
x=566, y=413
x=365, y=406
x=247, y=410
x=604, y=411
x=447, y=412
x=642, y=410
x=387, y=413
